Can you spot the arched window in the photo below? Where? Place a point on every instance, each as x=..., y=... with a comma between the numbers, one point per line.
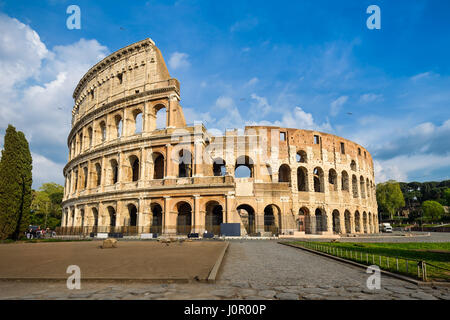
x=132, y=219
x=332, y=180
x=318, y=180
x=302, y=179
x=134, y=163
x=184, y=218
x=219, y=168
x=213, y=217
x=76, y=180
x=90, y=136
x=114, y=171
x=301, y=156
x=361, y=186
x=138, y=121
x=161, y=118
x=357, y=222
x=353, y=165
x=119, y=123
x=98, y=172
x=345, y=181
x=85, y=177
x=184, y=163
x=243, y=167
x=156, y=218
x=284, y=173
x=368, y=191
x=112, y=216
x=158, y=166
x=81, y=143
x=247, y=214
x=103, y=130
x=355, y=186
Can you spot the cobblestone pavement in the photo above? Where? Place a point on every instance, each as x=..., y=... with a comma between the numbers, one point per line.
x=252, y=269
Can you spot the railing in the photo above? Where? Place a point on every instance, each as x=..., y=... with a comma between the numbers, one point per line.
x=417, y=269
x=124, y=230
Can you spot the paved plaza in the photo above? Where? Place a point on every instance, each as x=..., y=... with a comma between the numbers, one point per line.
x=251, y=269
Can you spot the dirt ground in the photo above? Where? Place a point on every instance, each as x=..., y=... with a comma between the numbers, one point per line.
x=133, y=260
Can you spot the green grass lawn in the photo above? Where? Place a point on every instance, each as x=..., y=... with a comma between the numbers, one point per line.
x=433, y=253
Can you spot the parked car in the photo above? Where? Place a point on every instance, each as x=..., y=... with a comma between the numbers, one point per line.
x=385, y=227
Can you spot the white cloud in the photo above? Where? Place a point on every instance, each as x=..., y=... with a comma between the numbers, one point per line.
x=192, y=116
x=37, y=96
x=244, y=25
x=252, y=81
x=179, y=60
x=261, y=107
x=419, y=76
x=370, y=97
x=337, y=104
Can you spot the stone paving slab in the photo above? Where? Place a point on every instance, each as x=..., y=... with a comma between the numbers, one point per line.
x=147, y=260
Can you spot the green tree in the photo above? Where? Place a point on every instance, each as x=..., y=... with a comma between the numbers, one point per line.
x=26, y=180
x=447, y=196
x=46, y=205
x=10, y=184
x=432, y=210
x=390, y=197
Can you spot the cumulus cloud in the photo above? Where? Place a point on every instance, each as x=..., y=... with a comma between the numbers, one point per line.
x=179, y=60
x=259, y=106
x=337, y=104
x=37, y=96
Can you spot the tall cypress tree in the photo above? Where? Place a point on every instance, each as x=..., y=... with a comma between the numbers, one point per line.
x=25, y=168
x=10, y=184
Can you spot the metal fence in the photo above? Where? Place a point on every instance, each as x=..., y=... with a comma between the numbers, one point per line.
x=124, y=230
x=421, y=270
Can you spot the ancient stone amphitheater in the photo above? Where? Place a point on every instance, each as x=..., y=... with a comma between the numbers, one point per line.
x=136, y=167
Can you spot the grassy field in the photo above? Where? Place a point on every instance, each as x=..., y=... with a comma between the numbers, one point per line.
x=435, y=254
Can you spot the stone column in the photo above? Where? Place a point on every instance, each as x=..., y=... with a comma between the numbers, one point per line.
x=196, y=224
x=169, y=162
x=165, y=216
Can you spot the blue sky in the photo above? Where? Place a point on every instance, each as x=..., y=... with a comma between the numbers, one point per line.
x=304, y=64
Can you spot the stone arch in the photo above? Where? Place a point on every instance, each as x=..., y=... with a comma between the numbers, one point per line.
x=365, y=222
x=357, y=221
x=160, y=112
x=98, y=174
x=114, y=174
x=90, y=136
x=361, y=187
x=184, y=163
x=301, y=156
x=85, y=177
x=332, y=180
x=368, y=190
x=244, y=167
x=184, y=217
x=348, y=221
x=156, y=219
x=344, y=181
x=118, y=122
x=304, y=220
x=94, y=212
x=132, y=216
x=302, y=179
x=370, y=222
x=336, y=222
x=353, y=165
x=158, y=165
x=213, y=216
x=354, y=186
x=284, y=173
x=138, y=121
x=103, y=131
x=219, y=167
x=111, y=217
x=135, y=166
x=321, y=220
x=247, y=214
x=272, y=219
x=318, y=179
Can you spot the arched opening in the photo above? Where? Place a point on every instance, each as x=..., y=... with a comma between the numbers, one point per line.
x=318, y=180
x=112, y=218
x=184, y=164
x=344, y=181
x=353, y=165
x=302, y=179
x=357, y=222
x=134, y=163
x=158, y=166
x=301, y=156
x=90, y=136
x=219, y=168
x=161, y=117
x=138, y=121
x=81, y=143
x=82, y=218
x=243, y=167
x=95, y=219
x=103, y=130
x=213, y=217
x=321, y=220
x=184, y=218
x=370, y=223
x=336, y=222
x=347, y=218
x=272, y=219
x=332, y=180
x=114, y=171
x=98, y=174
x=304, y=220
x=85, y=177
x=119, y=123
x=284, y=173
x=156, y=219
x=247, y=215
x=355, y=186
x=365, y=222
x=368, y=191
x=361, y=186
x=132, y=215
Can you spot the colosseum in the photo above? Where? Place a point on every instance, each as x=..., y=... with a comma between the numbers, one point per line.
x=135, y=167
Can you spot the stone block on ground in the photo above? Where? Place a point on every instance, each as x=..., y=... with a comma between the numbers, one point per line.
x=109, y=243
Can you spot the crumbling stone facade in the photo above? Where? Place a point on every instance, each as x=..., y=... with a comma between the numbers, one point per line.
x=125, y=174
